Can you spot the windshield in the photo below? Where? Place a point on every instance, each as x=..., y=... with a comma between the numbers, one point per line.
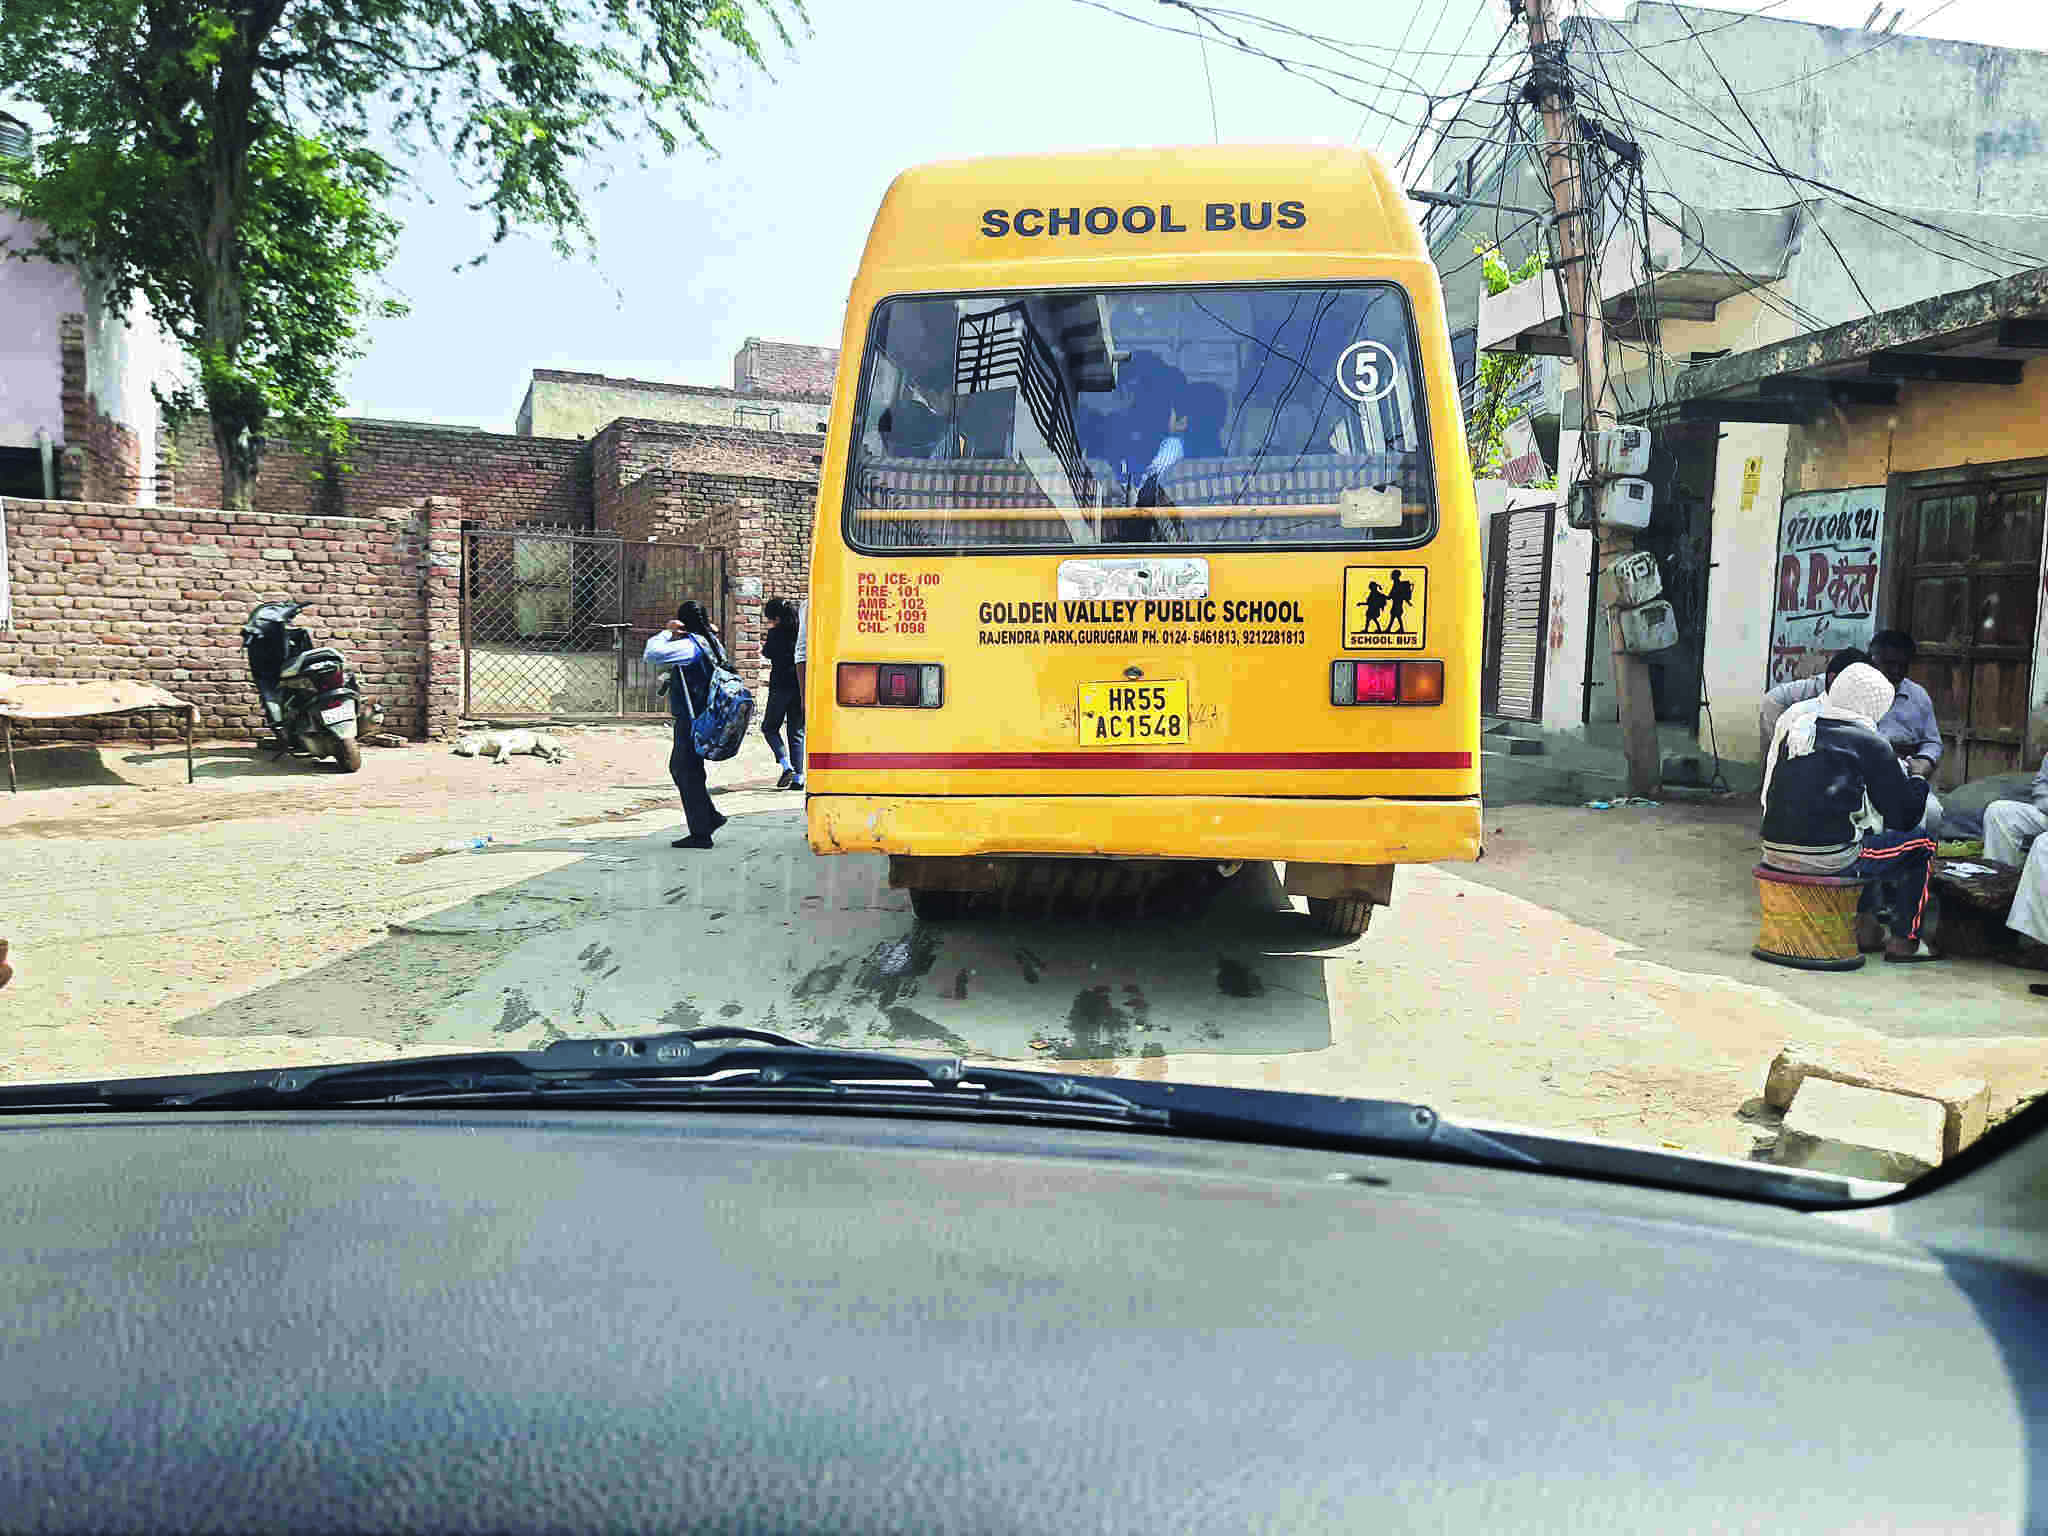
x=1169, y=614
x=1274, y=416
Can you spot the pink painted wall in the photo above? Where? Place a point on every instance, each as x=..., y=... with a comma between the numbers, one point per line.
x=32, y=295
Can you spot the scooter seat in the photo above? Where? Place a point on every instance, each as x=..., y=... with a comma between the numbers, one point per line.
x=312, y=661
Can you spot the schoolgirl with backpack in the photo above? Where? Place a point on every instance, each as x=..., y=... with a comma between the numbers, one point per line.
x=710, y=708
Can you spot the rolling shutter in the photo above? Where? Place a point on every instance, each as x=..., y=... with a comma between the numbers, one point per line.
x=1520, y=660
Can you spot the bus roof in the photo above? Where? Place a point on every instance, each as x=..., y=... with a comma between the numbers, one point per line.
x=1292, y=199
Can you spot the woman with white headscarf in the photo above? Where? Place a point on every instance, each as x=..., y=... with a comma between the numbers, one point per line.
x=1837, y=802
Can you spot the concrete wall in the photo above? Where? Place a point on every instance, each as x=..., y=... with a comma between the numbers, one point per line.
x=159, y=595
x=1948, y=131
x=1739, y=595
x=1933, y=426
x=1566, y=631
x=128, y=358
x=34, y=298
x=1918, y=121
x=81, y=374
x=573, y=405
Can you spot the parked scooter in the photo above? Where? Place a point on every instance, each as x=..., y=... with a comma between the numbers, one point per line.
x=311, y=701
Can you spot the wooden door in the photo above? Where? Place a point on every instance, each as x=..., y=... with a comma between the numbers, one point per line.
x=1971, y=583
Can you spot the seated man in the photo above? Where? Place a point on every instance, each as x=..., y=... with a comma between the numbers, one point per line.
x=1800, y=690
x=1908, y=725
x=1838, y=802
x=2012, y=835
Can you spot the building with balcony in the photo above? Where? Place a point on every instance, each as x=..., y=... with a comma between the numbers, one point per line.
x=1792, y=178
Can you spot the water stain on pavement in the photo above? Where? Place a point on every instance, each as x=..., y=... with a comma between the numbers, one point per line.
x=596, y=956
x=519, y=1013
x=819, y=980
x=682, y=1014
x=1096, y=1028
x=894, y=968
x=1138, y=1006
x=732, y=1010
x=1236, y=979
x=909, y=1024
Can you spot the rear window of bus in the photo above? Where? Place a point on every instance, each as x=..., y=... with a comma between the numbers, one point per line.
x=1222, y=417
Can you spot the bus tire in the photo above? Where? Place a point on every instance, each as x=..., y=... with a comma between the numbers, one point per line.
x=1346, y=917
x=938, y=906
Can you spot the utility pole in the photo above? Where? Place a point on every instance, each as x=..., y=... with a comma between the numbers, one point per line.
x=1577, y=247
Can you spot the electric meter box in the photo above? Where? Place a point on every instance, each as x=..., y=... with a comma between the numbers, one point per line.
x=1622, y=451
x=1636, y=579
x=1623, y=503
x=1652, y=627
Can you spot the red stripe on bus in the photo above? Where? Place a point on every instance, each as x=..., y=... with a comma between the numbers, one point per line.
x=1114, y=759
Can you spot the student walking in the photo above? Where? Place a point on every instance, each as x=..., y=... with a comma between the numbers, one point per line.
x=688, y=646
x=785, y=709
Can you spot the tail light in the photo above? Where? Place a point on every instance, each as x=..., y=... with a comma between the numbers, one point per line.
x=889, y=685
x=1386, y=682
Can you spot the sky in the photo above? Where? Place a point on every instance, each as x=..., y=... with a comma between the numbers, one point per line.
x=695, y=254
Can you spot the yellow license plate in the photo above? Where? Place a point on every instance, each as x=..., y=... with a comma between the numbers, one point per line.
x=1134, y=714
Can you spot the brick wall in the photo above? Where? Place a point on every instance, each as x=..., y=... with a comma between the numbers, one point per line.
x=784, y=367
x=159, y=595
x=502, y=481
x=289, y=484
x=762, y=524
x=102, y=458
x=628, y=449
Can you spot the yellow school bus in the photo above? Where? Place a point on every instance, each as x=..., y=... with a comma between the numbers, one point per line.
x=1146, y=541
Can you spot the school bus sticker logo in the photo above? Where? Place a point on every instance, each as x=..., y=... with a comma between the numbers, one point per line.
x=1385, y=607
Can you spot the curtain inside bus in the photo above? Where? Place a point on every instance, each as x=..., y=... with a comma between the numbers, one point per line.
x=1274, y=416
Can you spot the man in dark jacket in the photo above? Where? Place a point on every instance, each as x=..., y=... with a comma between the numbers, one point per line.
x=785, y=696
x=1838, y=802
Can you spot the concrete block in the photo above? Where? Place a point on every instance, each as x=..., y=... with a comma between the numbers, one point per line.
x=1860, y=1132
x=1965, y=1101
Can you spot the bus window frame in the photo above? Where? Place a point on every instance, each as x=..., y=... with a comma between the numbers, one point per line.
x=1427, y=439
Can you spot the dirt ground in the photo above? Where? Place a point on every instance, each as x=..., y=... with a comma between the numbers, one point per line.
x=1590, y=974
x=134, y=901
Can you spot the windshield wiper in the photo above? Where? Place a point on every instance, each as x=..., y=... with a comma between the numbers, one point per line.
x=771, y=1070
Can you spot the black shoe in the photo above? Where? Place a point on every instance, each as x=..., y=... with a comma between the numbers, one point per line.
x=796, y=783
x=691, y=842
x=720, y=822
x=788, y=779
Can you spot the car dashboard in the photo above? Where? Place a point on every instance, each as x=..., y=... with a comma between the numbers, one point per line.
x=509, y=1321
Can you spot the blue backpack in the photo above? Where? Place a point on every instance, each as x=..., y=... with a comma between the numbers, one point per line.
x=719, y=724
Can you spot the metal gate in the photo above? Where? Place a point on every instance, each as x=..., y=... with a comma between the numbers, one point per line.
x=1518, y=552
x=658, y=577
x=553, y=623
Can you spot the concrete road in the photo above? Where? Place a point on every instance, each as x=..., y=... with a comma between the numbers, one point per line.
x=321, y=921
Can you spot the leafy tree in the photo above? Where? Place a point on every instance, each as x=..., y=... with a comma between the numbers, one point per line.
x=1499, y=372
x=230, y=161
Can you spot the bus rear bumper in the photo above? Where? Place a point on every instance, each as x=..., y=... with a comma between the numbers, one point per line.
x=1367, y=830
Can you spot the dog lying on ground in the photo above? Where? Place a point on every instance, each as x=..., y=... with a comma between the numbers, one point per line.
x=502, y=746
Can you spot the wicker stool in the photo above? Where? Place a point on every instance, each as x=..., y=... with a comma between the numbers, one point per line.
x=1808, y=921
